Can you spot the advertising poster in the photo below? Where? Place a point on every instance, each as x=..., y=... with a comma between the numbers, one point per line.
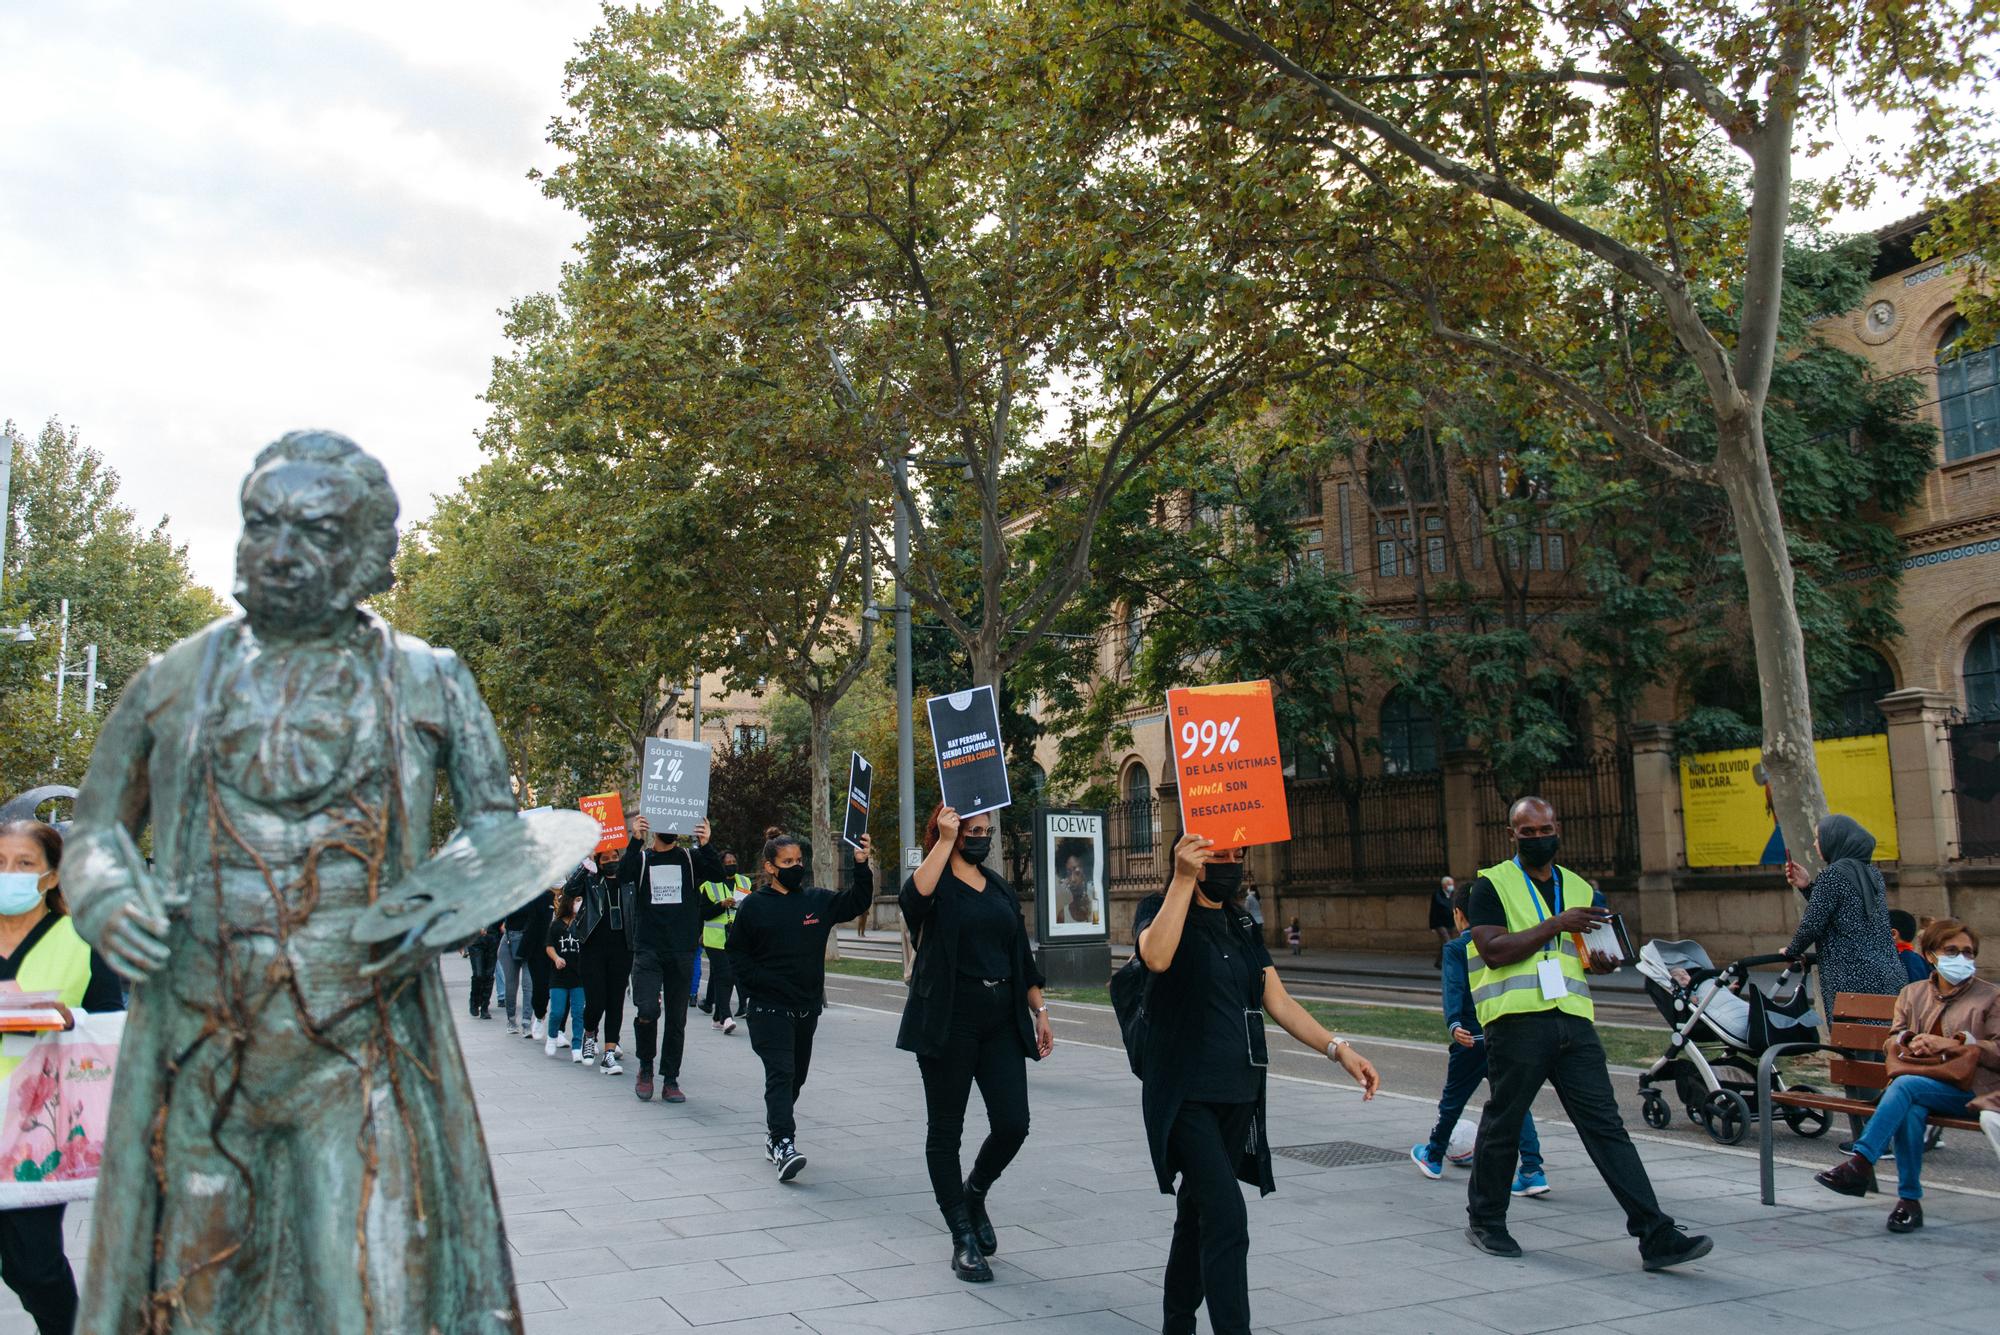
x=608, y=809
x=1070, y=869
x=1726, y=809
x=1232, y=783
x=673, y=788
x=860, y=788
x=965, y=733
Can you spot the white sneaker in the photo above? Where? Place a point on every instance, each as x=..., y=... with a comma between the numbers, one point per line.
x=729, y=1025
x=576, y=1056
x=512, y=1028
x=536, y=1032
x=1989, y=1122
x=610, y=1064
x=550, y=1046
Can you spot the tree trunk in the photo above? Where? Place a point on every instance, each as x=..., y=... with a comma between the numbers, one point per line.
x=1744, y=470
x=826, y=853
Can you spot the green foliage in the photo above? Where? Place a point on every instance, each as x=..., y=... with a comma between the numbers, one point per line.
x=129, y=588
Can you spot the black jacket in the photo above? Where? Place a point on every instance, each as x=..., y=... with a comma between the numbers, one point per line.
x=668, y=928
x=603, y=906
x=1173, y=1007
x=934, y=924
x=777, y=945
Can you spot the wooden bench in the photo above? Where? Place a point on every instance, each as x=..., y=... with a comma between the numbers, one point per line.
x=1859, y=1031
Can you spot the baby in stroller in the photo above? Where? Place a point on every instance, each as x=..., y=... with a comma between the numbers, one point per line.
x=1723, y=1020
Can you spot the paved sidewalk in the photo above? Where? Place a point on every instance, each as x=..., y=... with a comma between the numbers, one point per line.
x=629, y=1217
x=643, y=1217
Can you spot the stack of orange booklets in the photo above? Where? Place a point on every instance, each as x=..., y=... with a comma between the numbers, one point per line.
x=28, y=1012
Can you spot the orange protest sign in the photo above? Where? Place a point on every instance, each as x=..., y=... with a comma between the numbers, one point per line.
x=1232, y=782
x=609, y=809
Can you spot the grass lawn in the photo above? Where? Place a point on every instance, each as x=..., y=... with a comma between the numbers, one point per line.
x=890, y=969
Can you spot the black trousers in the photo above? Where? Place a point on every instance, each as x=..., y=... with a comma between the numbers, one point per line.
x=783, y=1041
x=483, y=955
x=607, y=971
x=1210, y=1256
x=984, y=1047
x=33, y=1264
x=657, y=974
x=540, y=966
x=721, y=982
x=1522, y=1053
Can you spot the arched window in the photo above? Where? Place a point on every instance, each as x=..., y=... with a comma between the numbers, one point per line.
x=1968, y=395
x=1854, y=710
x=1139, y=808
x=1982, y=673
x=1038, y=781
x=1409, y=735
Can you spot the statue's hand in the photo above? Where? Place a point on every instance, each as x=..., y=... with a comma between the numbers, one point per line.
x=134, y=940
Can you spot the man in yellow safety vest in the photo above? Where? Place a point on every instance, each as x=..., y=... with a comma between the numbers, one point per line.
x=715, y=942
x=1532, y=996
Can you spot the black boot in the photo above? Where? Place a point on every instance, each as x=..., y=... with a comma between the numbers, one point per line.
x=967, y=1262
x=982, y=1224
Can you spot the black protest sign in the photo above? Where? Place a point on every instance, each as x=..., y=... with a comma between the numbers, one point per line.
x=673, y=790
x=860, y=787
x=965, y=732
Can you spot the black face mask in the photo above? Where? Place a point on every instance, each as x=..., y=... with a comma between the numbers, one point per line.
x=1223, y=881
x=976, y=848
x=792, y=877
x=670, y=839
x=1539, y=851
x=729, y=869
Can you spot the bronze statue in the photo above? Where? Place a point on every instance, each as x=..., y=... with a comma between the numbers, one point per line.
x=293, y=1145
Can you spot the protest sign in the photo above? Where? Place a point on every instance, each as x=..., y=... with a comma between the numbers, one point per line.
x=860, y=787
x=673, y=788
x=965, y=734
x=608, y=809
x=1232, y=783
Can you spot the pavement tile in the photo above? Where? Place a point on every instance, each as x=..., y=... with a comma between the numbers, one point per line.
x=909, y=1316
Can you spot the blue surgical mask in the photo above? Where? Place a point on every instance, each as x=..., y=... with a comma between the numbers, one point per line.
x=1954, y=969
x=20, y=891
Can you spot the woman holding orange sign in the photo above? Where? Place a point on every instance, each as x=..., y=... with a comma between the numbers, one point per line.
x=1211, y=987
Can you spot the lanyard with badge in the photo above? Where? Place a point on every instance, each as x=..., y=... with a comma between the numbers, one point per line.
x=1548, y=969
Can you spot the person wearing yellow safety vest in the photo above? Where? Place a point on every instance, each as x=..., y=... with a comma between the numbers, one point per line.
x=729, y=890
x=41, y=952
x=1531, y=992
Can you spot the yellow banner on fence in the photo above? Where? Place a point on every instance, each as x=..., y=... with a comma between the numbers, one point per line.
x=1726, y=805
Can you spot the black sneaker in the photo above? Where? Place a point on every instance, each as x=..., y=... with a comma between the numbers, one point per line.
x=1676, y=1247
x=1493, y=1241
x=789, y=1161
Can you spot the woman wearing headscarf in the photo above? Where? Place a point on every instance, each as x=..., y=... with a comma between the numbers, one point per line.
x=1847, y=916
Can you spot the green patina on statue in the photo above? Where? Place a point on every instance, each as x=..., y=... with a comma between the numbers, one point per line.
x=293, y=1144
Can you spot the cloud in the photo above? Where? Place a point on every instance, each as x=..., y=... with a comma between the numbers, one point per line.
x=224, y=220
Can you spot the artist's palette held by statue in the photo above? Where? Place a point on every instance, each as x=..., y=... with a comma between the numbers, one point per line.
x=480, y=876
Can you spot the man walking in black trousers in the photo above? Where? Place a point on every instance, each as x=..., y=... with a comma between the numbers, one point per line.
x=662, y=879
x=1532, y=997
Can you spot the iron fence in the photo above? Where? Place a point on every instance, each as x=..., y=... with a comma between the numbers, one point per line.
x=1975, y=767
x=1595, y=802
x=1377, y=828
x=1132, y=843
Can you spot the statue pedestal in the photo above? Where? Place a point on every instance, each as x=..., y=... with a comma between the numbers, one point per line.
x=1087, y=964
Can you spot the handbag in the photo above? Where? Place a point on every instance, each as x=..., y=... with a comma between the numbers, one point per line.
x=1955, y=1068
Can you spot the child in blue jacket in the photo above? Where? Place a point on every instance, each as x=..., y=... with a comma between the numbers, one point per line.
x=1466, y=1067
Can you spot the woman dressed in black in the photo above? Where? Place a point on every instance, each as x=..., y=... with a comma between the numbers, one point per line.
x=975, y=1015
x=1211, y=986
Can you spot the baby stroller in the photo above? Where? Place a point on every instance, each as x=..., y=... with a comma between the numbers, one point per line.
x=1723, y=1020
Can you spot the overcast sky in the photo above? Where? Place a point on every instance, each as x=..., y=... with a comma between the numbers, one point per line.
x=222, y=219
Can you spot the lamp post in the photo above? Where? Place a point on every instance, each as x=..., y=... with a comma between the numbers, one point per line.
x=64, y=671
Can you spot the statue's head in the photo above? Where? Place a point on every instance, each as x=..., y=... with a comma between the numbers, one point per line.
x=319, y=532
